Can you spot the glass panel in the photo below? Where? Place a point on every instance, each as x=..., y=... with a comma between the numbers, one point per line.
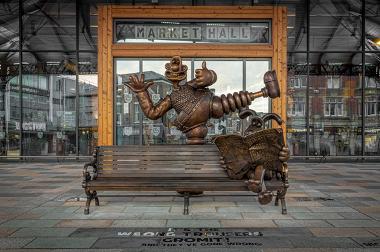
x=9, y=24
x=88, y=104
x=48, y=109
x=297, y=32
x=49, y=25
x=372, y=23
x=335, y=25
x=9, y=111
x=180, y=31
x=162, y=130
x=372, y=105
x=88, y=25
x=335, y=103
x=128, y=113
x=230, y=79
x=255, y=70
x=296, y=104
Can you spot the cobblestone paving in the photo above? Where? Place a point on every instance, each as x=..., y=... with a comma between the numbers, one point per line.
x=331, y=207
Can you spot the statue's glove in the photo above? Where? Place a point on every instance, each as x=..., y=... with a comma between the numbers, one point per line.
x=204, y=77
x=284, y=154
x=137, y=85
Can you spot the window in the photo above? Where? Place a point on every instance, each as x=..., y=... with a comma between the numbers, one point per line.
x=297, y=106
x=297, y=82
x=372, y=106
x=334, y=107
x=370, y=82
x=334, y=82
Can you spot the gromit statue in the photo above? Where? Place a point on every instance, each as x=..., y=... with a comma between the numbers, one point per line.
x=194, y=103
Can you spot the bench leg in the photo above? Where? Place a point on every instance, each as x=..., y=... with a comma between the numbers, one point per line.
x=186, y=202
x=88, y=202
x=283, y=205
x=96, y=198
x=90, y=197
x=277, y=198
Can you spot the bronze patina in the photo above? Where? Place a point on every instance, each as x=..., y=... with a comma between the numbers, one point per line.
x=259, y=155
x=193, y=102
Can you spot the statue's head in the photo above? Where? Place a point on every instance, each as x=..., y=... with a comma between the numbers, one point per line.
x=175, y=70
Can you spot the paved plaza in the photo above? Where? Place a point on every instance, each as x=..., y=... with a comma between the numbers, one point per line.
x=331, y=207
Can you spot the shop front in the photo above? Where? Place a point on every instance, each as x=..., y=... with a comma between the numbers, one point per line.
x=239, y=43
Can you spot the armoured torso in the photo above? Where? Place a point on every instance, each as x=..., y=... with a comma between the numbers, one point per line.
x=185, y=98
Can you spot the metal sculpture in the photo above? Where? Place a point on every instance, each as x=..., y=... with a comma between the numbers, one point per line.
x=259, y=155
x=194, y=103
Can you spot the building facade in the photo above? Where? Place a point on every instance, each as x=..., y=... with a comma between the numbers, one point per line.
x=56, y=101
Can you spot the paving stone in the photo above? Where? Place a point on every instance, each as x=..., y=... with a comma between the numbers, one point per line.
x=375, y=231
x=4, y=232
x=291, y=209
x=68, y=242
x=323, y=242
x=332, y=209
x=341, y=232
x=139, y=223
x=193, y=223
x=302, y=223
x=368, y=242
x=354, y=223
x=192, y=209
x=247, y=223
x=148, y=209
x=316, y=216
x=84, y=223
x=13, y=243
x=268, y=216
x=43, y=232
x=29, y=223
x=354, y=216
x=239, y=209
x=125, y=243
x=285, y=232
x=213, y=216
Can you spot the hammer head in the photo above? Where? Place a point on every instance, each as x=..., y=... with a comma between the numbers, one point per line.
x=272, y=89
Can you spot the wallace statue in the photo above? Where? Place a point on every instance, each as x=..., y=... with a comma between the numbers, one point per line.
x=193, y=102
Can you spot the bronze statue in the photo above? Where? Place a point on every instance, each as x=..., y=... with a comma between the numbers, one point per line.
x=259, y=155
x=194, y=103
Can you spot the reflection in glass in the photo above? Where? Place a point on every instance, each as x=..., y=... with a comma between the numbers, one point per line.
x=9, y=115
x=88, y=113
x=162, y=130
x=9, y=25
x=48, y=113
x=335, y=102
x=48, y=25
x=372, y=106
x=335, y=23
x=230, y=80
x=255, y=71
x=130, y=121
x=128, y=112
x=296, y=105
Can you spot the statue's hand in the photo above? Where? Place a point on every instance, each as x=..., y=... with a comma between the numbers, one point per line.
x=204, y=77
x=284, y=154
x=137, y=85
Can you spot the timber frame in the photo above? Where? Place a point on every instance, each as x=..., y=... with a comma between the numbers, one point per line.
x=107, y=50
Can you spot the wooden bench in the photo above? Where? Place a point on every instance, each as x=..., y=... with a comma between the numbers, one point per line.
x=178, y=168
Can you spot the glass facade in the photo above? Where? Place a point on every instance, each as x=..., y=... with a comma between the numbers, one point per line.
x=132, y=127
x=48, y=79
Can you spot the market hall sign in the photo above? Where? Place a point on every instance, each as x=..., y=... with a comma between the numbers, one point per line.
x=173, y=31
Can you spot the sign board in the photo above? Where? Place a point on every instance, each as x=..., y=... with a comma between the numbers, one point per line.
x=185, y=31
